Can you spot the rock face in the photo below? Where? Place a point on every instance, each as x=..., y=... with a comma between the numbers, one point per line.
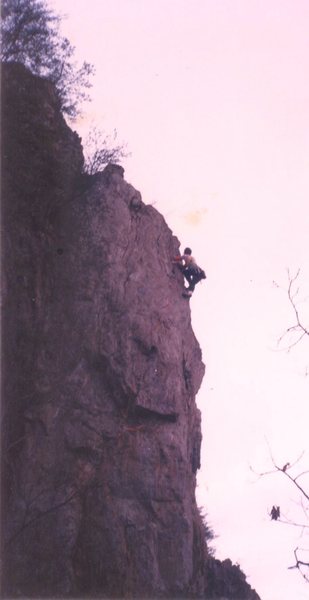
x=101, y=433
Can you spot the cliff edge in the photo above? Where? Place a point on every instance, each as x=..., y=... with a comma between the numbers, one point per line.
x=100, y=368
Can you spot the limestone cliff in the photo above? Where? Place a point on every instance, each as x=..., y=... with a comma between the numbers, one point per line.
x=100, y=369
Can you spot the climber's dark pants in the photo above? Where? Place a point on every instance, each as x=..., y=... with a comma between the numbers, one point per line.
x=192, y=276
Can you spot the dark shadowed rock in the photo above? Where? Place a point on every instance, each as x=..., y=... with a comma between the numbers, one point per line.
x=226, y=581
x=101, y=433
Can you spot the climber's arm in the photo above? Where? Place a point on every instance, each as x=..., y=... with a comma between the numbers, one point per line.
x=177, y=259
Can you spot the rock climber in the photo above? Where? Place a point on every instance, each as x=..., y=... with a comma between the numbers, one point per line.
x=192, y=272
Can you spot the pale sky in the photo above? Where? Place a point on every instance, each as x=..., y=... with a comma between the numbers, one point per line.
x=212, y=98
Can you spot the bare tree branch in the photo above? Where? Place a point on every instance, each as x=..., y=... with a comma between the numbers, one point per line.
x=101, y=149
x=299, y=564
x=297, y=328
x=275, y=513
x=295, y=333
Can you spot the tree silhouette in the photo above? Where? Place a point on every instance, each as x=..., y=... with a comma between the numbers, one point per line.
x=30, y=34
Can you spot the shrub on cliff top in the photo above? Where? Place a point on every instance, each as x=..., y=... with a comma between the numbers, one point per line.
x=101, y=149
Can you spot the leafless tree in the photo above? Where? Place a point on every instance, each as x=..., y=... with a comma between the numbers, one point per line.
x=298, y=330
x=297, y=476
x=101, y=149
x=298, y=481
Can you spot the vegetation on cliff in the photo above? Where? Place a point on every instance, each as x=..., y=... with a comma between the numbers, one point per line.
x=31, y=36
